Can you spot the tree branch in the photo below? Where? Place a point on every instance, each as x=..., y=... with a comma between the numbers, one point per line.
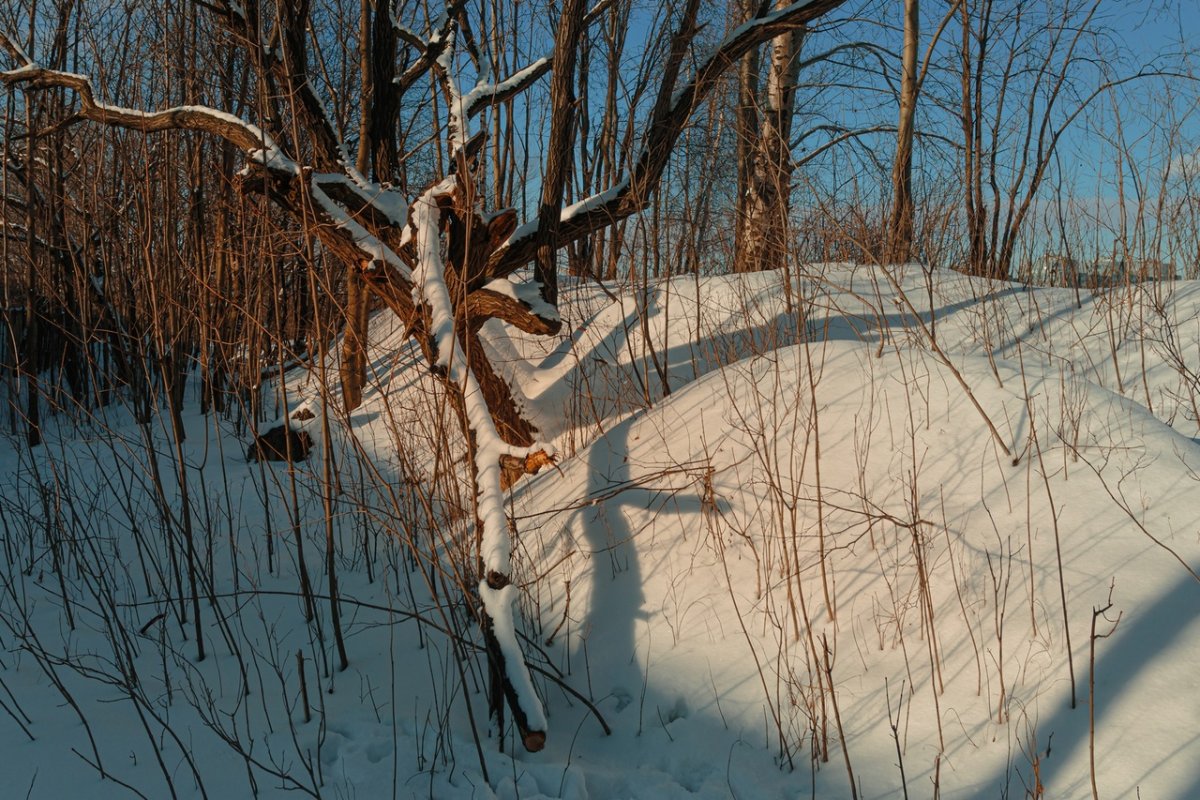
x=244, y=135
x=631, y=193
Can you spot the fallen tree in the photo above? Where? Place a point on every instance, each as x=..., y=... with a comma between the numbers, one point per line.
x=433, y=256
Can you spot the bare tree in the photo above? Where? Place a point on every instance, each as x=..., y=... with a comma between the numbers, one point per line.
x=900, y=224
x=433, y=255
x=1028, y=73
x=900, y=220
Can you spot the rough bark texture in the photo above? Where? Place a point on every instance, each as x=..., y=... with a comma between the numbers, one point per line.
x=631, y=194
x=765, y=162
x=972, y=124
x=376, y=159
x=352, y=370
x=558, y=151
x=747, y=138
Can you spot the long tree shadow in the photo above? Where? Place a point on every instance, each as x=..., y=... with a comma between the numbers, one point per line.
x=613, y=634
x=636, y=365
x=1127, y=662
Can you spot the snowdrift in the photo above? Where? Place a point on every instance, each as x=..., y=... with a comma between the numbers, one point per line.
x=871, y=532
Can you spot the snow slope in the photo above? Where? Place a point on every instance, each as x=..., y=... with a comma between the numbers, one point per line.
x=862, y=527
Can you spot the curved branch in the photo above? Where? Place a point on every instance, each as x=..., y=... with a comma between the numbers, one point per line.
x=244, y=135
x=631, y=193
x=522, y=79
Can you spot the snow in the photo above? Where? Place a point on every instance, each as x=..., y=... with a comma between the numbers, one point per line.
x=588, y=204
x=273, y=158
x=684, y=570
x=429, y=276
x=460, y=106
x=269, y=154
x=486, y=88
x=25, y=69
x=455, y=107
x=568, y=213
x=499, y=604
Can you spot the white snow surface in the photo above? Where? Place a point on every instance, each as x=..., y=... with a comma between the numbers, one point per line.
x=779, y=529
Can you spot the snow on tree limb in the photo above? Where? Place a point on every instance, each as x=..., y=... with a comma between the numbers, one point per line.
x=259, y=147
x=488, y=92
x=526, y=295
x=431, y=48
x=280, y=51
x=440, y=50
x=244, y=135
x=342, y=201
x=373, y=249
x=491, y=92
x=495, y=548
x=499, y=605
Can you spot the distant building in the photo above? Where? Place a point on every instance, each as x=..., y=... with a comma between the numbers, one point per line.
x=1152, y=269
x=1052, y=269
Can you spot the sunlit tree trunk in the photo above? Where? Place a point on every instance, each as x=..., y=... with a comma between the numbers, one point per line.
x=972, y=125
x=765, y=162
x=376, y=159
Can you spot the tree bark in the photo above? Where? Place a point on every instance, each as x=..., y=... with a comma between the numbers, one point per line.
x=558, y=155
x=437, y=262
x=747, y=137
x=972, y=124
x=765, y=156
x=900, y=224
x=352, y=370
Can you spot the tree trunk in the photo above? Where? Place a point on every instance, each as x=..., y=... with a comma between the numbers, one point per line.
x=765, y=163
x=376, y=158
x=558, y=155
x=900, y=225
x=972, y=123
x=353, y=366
x=747, y=138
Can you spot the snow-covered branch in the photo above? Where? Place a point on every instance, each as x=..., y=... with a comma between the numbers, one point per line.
x=495, y=549
x=242, y=134
x=431, y=49
x=365, y=201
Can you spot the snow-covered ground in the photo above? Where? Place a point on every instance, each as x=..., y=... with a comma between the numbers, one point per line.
x=906, y=526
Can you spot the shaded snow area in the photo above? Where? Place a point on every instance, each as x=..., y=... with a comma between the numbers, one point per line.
x=904, y=529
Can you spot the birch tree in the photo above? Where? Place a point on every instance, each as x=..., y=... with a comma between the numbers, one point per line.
x=765, y=165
